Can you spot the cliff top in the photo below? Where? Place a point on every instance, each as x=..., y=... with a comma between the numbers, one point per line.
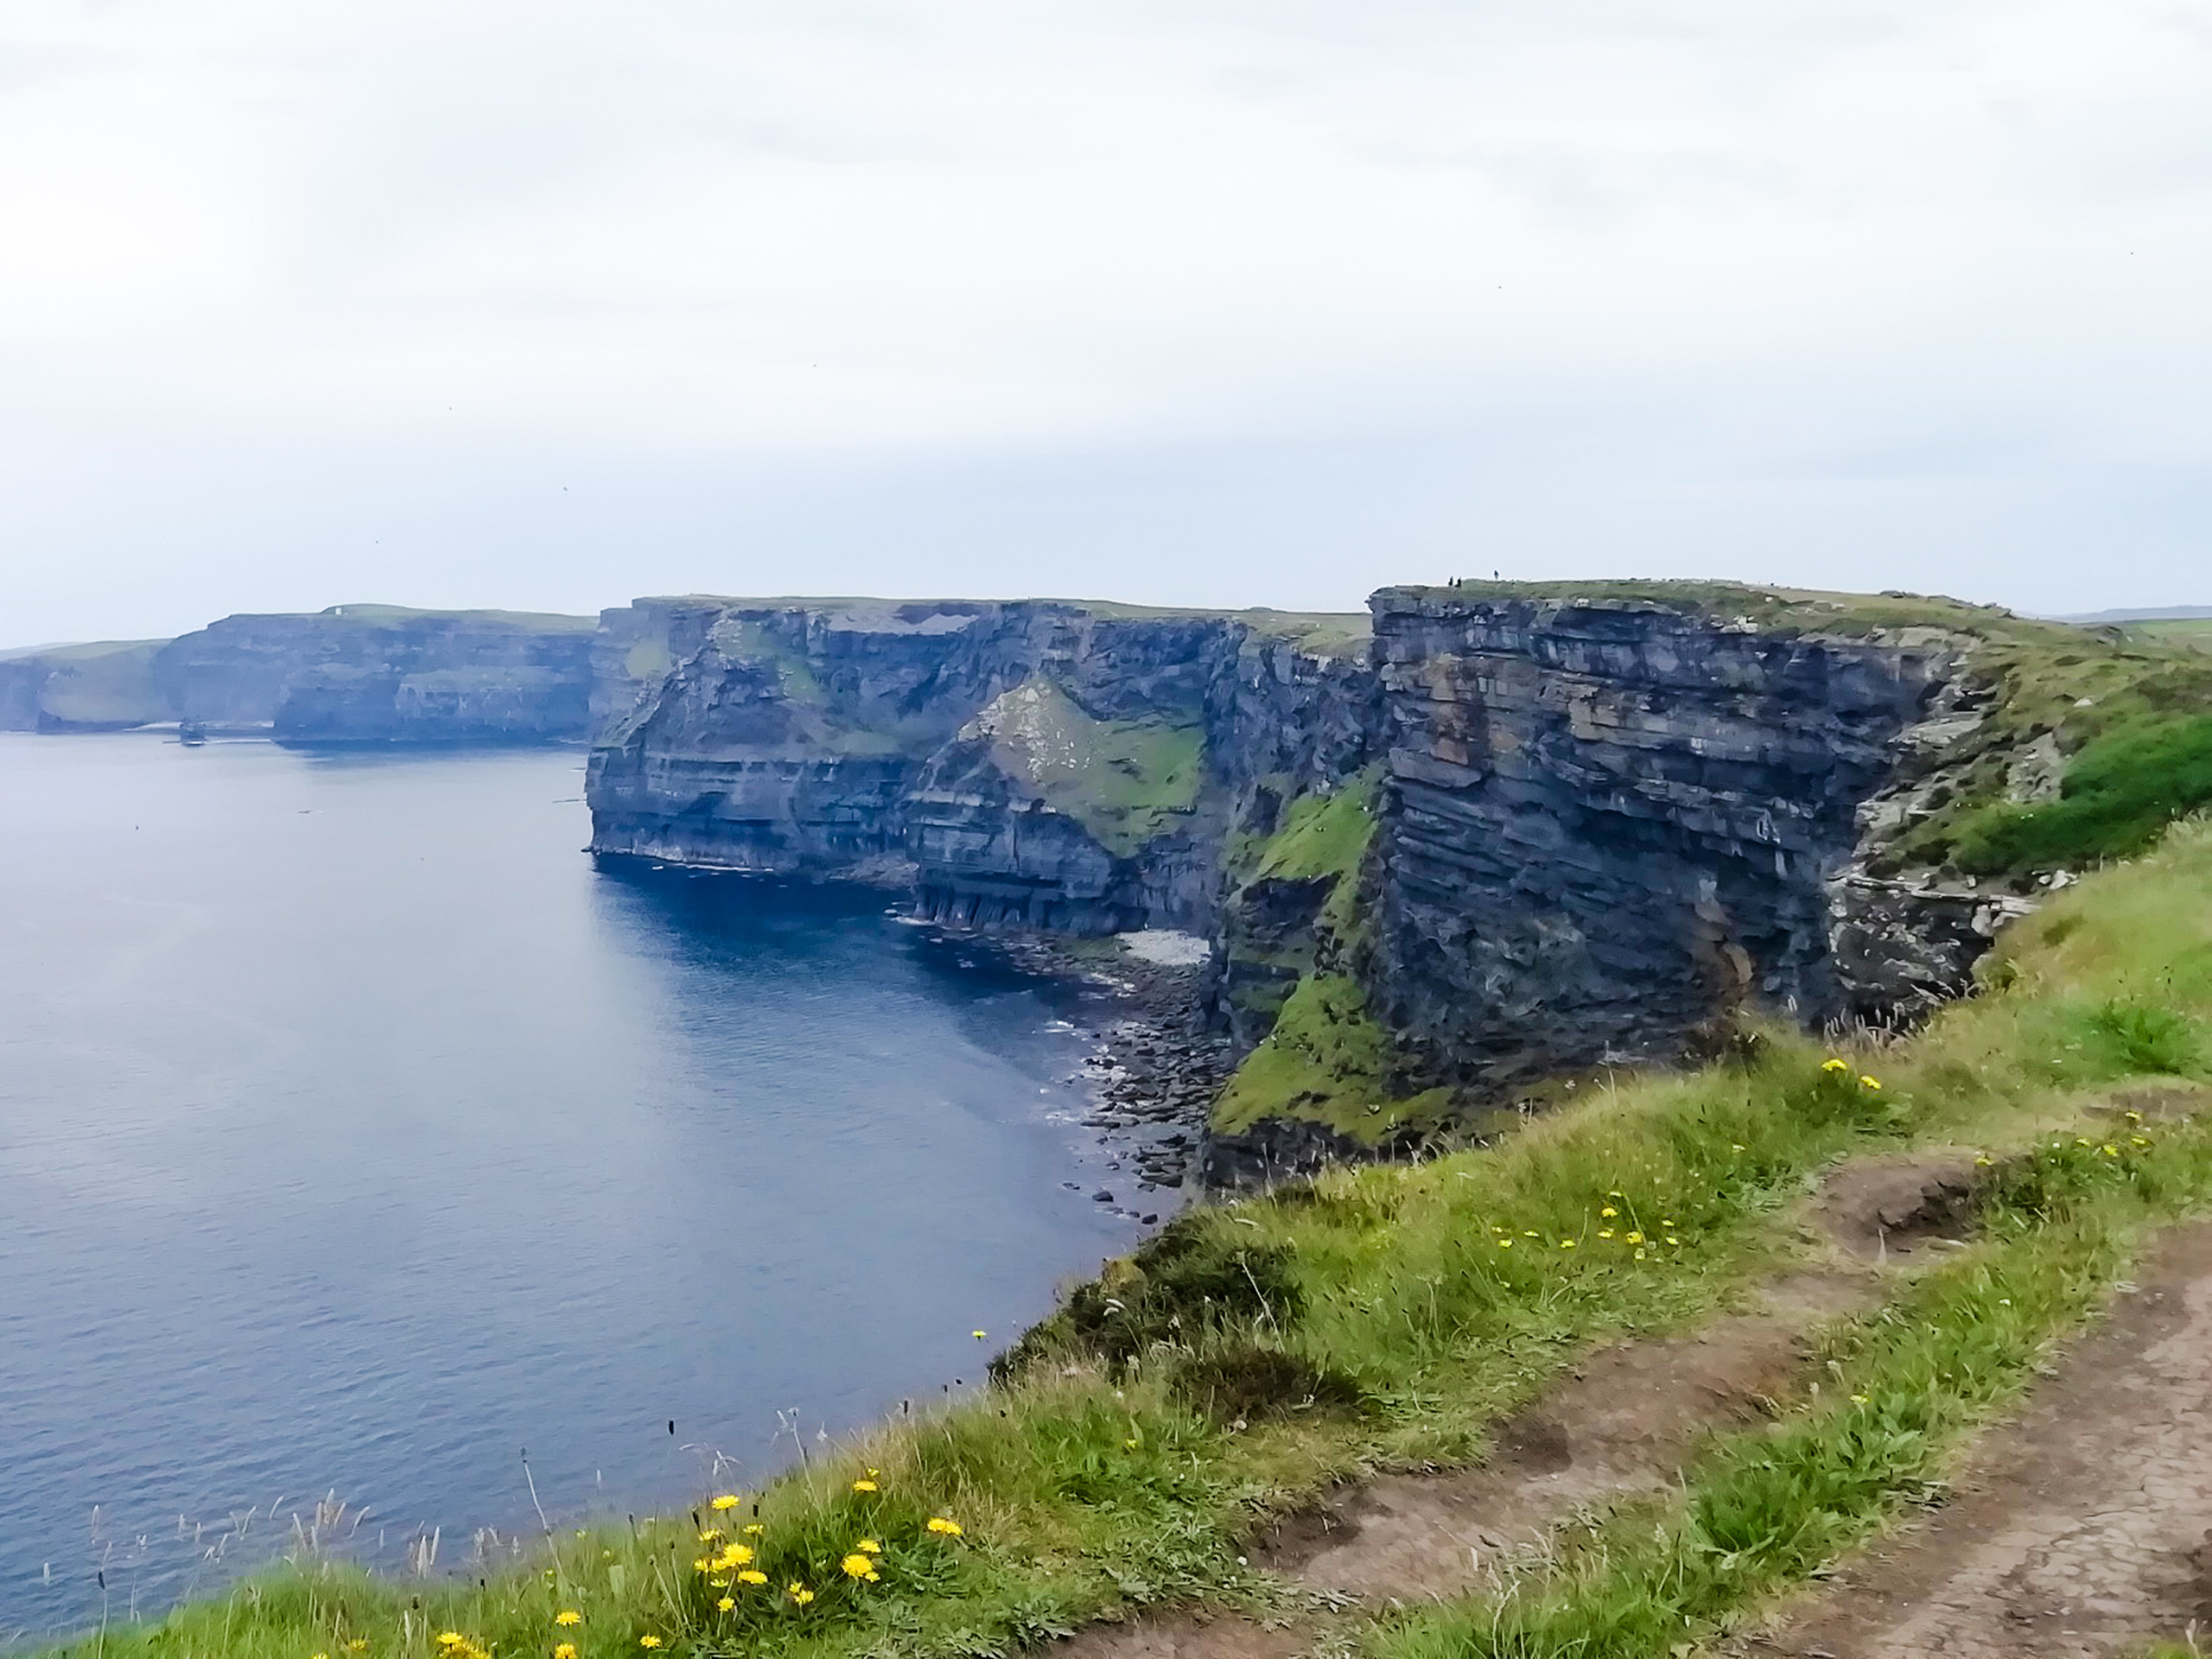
x=1324, y=633
x=392, y=616
x=1781, y=609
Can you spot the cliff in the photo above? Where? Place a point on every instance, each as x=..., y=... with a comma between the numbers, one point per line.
x=1038, y=763
x=378, y=673
x=104, y=687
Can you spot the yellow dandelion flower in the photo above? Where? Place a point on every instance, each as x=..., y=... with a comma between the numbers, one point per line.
x=1858, y=1399
x=1984, y=1162
x=564, y=1651
x=711, y=1536
x=1604, y=1232
x=2135, y=1117
x=1634, y=1238
x=753, y=1575
x=1566, y=1244
x=945, y=1529
x=702, y=1565
x=727, y=1501
x=799, y=1593
x=451, y=1639
x=1505, y=1243
x=863, y=1485
x=1130, y=1445
x=857, y=1565
x=755, y=1530
x=735, y=1555
x=2139, y=1139
x=1671, y=1239
x=649, y=1641
x=1609, y=1212
x=321, y=1655
x=358, y=1644
x=868, y=1547
x=567, y=1616
x=1835, y=1066
x=979, y=1334
x=726, y=1603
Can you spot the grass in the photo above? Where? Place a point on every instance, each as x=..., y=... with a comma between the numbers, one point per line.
x=1326, y=1061
x=1259, y=1350
x=2118, y=794
x=1125, y=781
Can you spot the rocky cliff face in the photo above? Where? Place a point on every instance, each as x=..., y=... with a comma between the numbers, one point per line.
x=1612, y=824
x=366, y=673
x=1035, y=763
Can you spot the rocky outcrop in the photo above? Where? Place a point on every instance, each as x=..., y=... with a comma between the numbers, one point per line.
x=1036, y=763
x=374, y=673
x=1612, y=824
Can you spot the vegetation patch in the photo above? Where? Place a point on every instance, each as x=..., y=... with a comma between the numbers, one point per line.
x=1326, y=1062
x=1125, y=781
x=2118, y=794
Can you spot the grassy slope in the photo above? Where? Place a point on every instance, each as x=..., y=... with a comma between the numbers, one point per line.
x=1125, y=781
x=1413, y=1305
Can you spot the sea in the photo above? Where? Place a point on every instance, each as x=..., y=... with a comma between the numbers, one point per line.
x=378, y=1167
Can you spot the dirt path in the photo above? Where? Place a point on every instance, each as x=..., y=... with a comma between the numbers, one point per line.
x=1625, y=1420
x=2082, y=1530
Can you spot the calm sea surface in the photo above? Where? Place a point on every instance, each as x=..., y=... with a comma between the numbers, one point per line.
x=357, y=1132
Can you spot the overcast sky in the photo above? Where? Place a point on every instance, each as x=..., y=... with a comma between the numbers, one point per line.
x=547, y=305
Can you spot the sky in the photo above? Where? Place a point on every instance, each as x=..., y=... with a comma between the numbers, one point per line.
x=1214, y=302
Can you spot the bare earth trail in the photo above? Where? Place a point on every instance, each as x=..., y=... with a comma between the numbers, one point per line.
x=1625, y=1420
x=2080, y=1531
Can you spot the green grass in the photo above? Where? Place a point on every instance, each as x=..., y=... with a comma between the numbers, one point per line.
x=2118, y=794
x=1394, y=1313
x=1326, y=1062
x=1125, y=781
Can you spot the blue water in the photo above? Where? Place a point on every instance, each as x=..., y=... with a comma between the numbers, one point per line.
x=357, y=1132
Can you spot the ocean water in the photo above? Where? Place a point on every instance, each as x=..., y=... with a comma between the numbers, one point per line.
x=358, y=1134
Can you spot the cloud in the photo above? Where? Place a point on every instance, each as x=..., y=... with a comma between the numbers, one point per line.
x=1679, y=285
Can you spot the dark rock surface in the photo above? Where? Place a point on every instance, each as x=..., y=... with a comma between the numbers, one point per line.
x=1612, y=824
x=1033, y=764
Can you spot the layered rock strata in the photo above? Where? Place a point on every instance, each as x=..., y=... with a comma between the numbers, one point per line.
x=1030, y=763
x=1609, y=825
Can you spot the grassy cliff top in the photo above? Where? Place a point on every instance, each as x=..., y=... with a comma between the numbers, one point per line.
x=1782, y=609
x=393, y=616
x=1324, y=633
x=88, y=651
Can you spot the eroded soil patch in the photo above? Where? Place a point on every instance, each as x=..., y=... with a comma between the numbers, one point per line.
x=1877, y=1208
x=2082, y=1529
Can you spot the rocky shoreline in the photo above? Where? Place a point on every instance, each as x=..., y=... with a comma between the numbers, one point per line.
x=1154, y=1067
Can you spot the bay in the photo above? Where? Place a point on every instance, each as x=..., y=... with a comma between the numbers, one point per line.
x=358, y=1132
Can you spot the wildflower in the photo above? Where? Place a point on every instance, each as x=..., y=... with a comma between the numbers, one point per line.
x=1529, y=1232
x=727, y=1501
x=322, y=1655
x=2135, y=1117
x=946, y=1528
x=567, y=1616
x=732, y=1555
x=1639, y=1255
x=1835, y=1066
x=1604, y=1232
x=1634, y=1238
x=1984, y=1161
x=1732, y=1147
x=1671, y=1239
x=564, y=1651
x=799, y=1593
x=1870, y=1083
x=863, y=1485
x=452, y=1639
x=358, y=1644
x=1609, y=1212
x=868, y=1547
x=702, y=1565
x=756, y=1529
x=2139, y=1139
x=857, y=1565
x=979, y=1334
x=725, y=1604
x=649, y=1641
x=711, y=1536
x=1127, y=1446
x=1858, y=1399
x=752, y=1575
x=1616, y=1193
x=1566, y=1244
x=1505, y=1243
